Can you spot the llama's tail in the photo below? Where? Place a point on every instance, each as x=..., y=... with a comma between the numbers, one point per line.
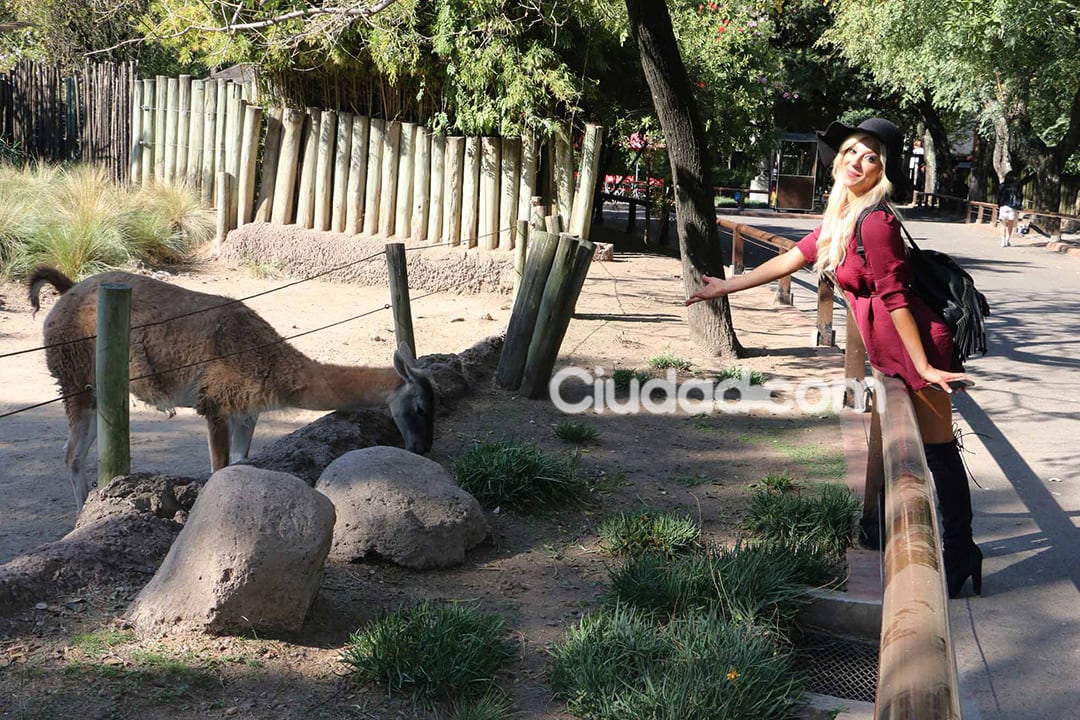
x=45, y=274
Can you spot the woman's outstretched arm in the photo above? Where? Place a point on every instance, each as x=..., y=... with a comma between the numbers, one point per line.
x=776, y=268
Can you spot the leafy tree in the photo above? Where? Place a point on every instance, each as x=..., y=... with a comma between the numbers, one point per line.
x=691, y=171
x=1012, y=66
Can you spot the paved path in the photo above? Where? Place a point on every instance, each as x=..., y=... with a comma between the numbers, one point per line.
x=1017, y=646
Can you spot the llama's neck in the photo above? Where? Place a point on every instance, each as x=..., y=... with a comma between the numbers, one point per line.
x=340, y=387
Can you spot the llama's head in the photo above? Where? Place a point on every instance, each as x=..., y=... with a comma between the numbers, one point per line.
x=413, y=404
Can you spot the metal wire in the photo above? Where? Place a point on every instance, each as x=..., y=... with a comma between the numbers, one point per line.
x=838, y=667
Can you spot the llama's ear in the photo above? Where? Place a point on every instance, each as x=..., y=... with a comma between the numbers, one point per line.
x=404, y=360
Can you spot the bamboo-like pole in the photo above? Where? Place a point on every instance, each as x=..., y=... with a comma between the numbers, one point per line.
x=564, y=176
x=519, y=332
x=305, y=198
x=527, y=188
x=403, y=204
x=341, y=171
x=195, y=133
x=581, y=217
x=373, y=192
x=271, y=155
x=470, y=192
x=421, y=184
x=172, y=117
x=135, y=152
x=509, y=181
x=161, y=89
x=438, y=183
x=220, y=131
x=111, y=390
x=399, y=294
x=453, y=190
x=183, y=126
x=249, y=152
x=292, y=131
x=488, y=224
x=354, y=197
x=324, y=170
x=209, y=120
x=387, y=210
x=146, y=174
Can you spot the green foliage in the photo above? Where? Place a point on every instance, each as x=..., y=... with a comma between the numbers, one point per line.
x=760, y=582
x=432, y=651
x=756, y=377
x=79, y=221
x=646, y=530
x=820, y=520
x=518, y=476
x=617, y=664
x=577, y=432
x=622, y=378
x=667, y=360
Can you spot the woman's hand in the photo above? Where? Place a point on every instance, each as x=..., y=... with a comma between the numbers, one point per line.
x=941, y=379
x=714, y=287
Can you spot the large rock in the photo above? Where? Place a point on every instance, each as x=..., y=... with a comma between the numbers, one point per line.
x=400, y=507
x=250, y=557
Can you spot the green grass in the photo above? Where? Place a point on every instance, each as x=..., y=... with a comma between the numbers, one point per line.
x=622, y=377
x=668, y=359
x=77, y=219
x=820, y=519
x=637, y=532
x=432, y=652
x=735, y=373
x=518, y=476
x=618, y=664
x=577, y=432
x=99, y=643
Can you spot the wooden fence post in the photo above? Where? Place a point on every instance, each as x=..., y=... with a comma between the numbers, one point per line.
x=509, y=186
x=399, y=294
x=342, y=158
x=581, y=217
x=388, y=186
x=563, y=203
x=305, y=198
x=453, y=191
x=271, y=156
x=436, y=217
x=195, y=133
x=373, y=192
x=519, y=332
x=183, y=126
x=135, y=157
x=487, y=232
x=209, y=121
x=421, y=190
x=357, y=188
x=292, y=131
x=324, y=169
x=113, y=340
x=249, y=151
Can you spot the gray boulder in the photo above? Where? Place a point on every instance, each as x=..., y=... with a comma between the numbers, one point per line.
x=250, y=557
x=400, y=507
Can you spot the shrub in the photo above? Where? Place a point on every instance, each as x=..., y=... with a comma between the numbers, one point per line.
x=518, y=476
x=642, y=531
x=821, y=520
x=432, y=651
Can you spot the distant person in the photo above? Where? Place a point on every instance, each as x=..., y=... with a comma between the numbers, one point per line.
x=904, y=338
x=1009, y=201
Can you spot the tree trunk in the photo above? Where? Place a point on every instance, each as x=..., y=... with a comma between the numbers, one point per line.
x=938, y=154
x=691, y=172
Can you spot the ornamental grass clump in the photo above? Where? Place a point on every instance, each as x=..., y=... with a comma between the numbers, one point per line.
x=432, y=652
x=646, y=530
x=619, y=664
x=517, y=476
x=578, y=432
x=820, y=519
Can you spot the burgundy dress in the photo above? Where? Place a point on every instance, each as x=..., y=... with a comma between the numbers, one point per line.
x=878, y=283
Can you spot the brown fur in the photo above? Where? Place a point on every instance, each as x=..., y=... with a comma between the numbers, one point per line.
x=192, y=349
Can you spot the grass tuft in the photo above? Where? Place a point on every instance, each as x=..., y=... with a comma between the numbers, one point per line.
x=431, y=652
x=638, y=532
x=735, y=373
x=577, y=432
x=668, y=359
x=820, y=519
x=622, y=377
x=617, y=664
x=518, y=476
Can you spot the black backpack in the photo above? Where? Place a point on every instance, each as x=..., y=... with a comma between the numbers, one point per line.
x=947, y=289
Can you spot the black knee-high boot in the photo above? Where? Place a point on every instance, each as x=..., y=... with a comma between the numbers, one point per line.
x=963, y=559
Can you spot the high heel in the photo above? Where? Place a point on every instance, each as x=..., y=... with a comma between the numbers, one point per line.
x=963, y=558
x=959, y=567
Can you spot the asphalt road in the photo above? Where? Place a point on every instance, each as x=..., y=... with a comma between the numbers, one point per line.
x=1018, y=645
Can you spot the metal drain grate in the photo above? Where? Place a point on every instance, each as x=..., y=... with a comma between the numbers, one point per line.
x=838, y=667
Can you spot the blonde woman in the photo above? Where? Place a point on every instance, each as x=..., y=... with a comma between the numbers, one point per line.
x=904, y=338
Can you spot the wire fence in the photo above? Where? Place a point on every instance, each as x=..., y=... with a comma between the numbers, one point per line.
x=212, y=308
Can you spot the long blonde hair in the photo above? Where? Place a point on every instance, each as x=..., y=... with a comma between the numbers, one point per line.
x=844, y=207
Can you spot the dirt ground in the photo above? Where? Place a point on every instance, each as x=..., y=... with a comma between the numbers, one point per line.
x=541, y=573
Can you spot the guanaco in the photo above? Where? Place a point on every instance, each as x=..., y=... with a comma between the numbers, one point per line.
x=216, y=355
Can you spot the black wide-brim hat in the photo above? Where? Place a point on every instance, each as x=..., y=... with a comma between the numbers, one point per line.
x=892, y=141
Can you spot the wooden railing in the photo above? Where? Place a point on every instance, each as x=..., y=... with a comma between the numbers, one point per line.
x=916, y=662
x=826, y=335
x=978, y=211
